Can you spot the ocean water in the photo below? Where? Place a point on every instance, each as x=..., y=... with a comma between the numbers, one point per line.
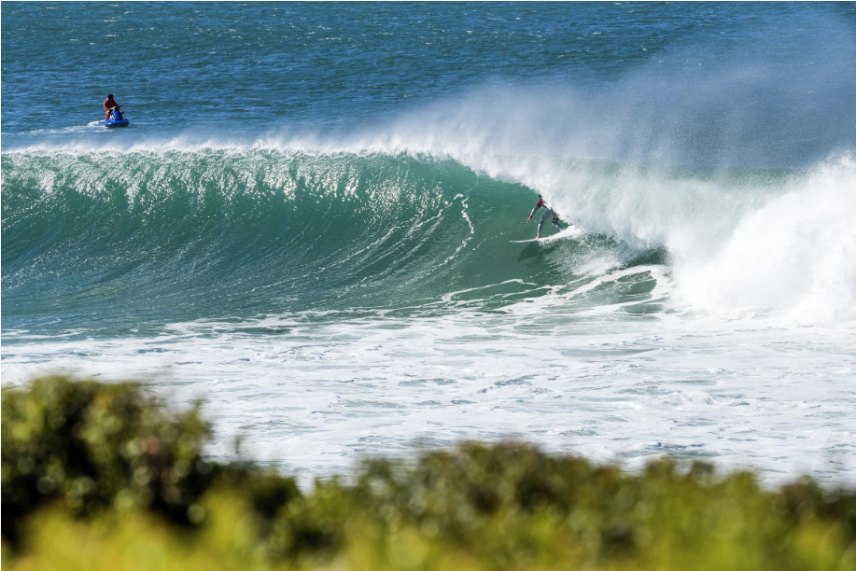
x=308, y=223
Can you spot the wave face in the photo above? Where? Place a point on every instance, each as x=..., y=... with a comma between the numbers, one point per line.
x=144, y=239
x=163, y=237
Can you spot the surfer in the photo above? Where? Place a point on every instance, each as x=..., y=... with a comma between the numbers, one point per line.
x=109, y=105
x=547, y=212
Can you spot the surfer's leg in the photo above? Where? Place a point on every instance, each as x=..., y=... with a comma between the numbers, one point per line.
x=541, y=222
x=557, y=224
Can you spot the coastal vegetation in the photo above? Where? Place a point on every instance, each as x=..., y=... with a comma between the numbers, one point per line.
x=107, y=476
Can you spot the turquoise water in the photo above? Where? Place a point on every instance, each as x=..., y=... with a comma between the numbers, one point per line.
x=204, y=234
x=308, y=221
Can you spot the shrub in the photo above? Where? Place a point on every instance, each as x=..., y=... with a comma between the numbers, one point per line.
x=103, y=476
x=91, y=445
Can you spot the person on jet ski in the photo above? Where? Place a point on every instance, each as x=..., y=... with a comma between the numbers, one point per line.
x=109, y=105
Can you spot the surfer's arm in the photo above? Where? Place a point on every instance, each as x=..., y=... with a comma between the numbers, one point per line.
x=534, y=210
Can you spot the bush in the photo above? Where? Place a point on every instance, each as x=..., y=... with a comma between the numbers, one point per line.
x=91, y=445
x=104, y=476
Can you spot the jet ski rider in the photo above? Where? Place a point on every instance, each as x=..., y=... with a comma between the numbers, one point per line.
x=547, y=212
x=109, y=105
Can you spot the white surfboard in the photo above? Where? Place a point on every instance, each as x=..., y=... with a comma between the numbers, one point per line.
x=571, y=232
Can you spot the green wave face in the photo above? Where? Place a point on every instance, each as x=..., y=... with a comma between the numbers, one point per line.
x=141, y=239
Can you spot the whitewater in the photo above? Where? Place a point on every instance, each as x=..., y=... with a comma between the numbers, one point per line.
x=334, y=283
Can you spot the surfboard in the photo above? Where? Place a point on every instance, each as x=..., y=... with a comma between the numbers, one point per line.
x=571, y=232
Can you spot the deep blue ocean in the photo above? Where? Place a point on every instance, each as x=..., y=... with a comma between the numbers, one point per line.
x=308, y=222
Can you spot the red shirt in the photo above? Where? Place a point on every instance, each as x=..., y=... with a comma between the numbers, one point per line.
x=110, y=103
x=539, y=205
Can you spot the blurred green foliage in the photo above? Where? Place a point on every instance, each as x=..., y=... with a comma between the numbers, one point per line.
x=92, y=445
x=104, y=476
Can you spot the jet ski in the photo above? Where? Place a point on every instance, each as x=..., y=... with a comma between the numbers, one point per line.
x=116, y=120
